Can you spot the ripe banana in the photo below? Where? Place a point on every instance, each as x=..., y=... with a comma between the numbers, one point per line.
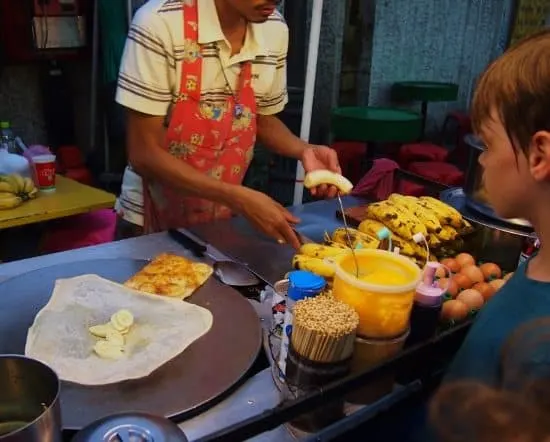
x=320, y=251
x=28, y=186
x=447, y=233
x=357, y=238
x=372, y=227
x=445, y=213
x=9, y=200
x=318, y=177
x=314, y=265
x=425, y=216
x=329, y=242
x=18, y=182
x=397, y=218
x=5, y=186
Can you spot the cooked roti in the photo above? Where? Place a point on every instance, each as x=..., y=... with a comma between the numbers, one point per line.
x=170, y=275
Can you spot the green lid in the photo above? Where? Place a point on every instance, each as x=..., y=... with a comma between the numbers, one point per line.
x=4, y=124
x=424, y=91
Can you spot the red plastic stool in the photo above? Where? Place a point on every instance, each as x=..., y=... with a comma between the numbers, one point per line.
x=351, y=155
x=70, y=157
x=411, y=189
x=88, y=229
x=439, y=172
x=455, y=127
x=421, y=152
x=81, y=174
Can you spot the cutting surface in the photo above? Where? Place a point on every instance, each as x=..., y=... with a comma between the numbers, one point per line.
x=206, y=370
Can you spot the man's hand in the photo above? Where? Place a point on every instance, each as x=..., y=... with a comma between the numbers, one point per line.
x=321, y=157
x=266, y=215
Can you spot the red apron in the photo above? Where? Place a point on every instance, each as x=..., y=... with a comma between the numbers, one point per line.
x=213, y=138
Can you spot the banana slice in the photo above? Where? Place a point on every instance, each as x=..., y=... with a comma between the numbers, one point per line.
x=122, y=320
x=114, y=337
x=108, y=350
x=101, y=331
x=318, y=177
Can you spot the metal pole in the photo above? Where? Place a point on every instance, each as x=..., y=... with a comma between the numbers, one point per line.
x=95, y=65
x=309, y=91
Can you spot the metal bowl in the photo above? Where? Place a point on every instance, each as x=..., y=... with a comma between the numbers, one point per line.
x=492, y=240
x=29, y=401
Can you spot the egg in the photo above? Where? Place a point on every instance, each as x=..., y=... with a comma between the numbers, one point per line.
x=441, y=272
x=490, y=271
x=472, y=298
x=462, y=281
x=450, y=285
x=497, y=284
x=486, y=290
x=473, y=272
x=451, y=264
x=453, y=310
x=508, y=276
x=465, y=259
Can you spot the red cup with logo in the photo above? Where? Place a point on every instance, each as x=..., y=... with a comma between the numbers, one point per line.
x=44, y=166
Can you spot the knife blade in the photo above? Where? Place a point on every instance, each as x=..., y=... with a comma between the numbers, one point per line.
x=198, y=249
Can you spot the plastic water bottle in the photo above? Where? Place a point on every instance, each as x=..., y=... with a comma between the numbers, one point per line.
x=7, y=137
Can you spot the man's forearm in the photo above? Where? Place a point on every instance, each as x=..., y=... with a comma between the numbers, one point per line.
x=151, y=161
x=278, y=138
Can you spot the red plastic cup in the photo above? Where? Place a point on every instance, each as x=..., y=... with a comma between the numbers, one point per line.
x=44, y=166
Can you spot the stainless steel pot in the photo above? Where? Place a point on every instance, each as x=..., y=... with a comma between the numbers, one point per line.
x=29, y=401
x=492, y=240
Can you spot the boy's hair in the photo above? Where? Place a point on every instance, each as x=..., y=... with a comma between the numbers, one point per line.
x=517, y=87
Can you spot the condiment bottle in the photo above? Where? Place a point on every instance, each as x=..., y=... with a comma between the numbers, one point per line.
x=301, y=284
x=427, y=306
x=530, y=247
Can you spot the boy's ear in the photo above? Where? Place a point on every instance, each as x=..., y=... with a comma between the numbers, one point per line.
x=539, y=156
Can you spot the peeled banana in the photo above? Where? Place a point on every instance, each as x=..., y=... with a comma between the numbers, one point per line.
x=318, y=177
x=314, y=265
x=425, y=216
x=357, y=238
x=397, y=218
x=321, y=251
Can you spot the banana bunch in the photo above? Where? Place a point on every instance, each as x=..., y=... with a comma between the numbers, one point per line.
x=397, y=218
x=14, y=190
x=358, y=239
x=405, y=216
x=311, y=257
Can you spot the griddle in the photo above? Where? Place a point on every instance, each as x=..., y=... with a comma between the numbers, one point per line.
x=179, y=389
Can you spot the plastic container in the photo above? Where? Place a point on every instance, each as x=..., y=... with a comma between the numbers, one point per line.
x=301, y=285
x=369, y=353
x=305, y=377
x=7, y=137
x=427, y=305
x=44, y=166
x=382, y=295
x=11, y=163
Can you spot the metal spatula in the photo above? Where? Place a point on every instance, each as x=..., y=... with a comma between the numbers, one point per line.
x=227, y=271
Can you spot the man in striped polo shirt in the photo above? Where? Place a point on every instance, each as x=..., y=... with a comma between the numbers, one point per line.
x=201, y=80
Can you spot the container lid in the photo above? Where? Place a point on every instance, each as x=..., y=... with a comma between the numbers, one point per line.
x=131, y=427
x=302, y=283
x=4, y=124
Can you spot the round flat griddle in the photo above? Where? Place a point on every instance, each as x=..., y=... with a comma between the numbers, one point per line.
x=180, y=388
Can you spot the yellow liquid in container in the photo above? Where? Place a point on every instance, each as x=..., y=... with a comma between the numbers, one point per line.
x=382, y=294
